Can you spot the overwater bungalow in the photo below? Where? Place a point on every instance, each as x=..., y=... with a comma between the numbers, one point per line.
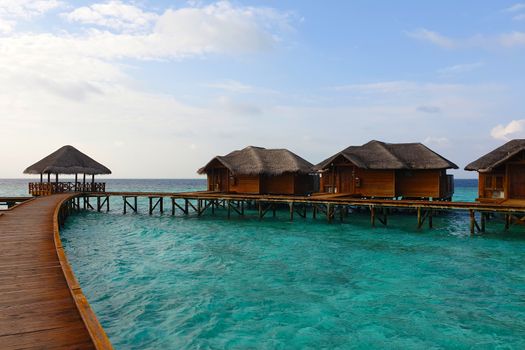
x=501, y=173
x=257, y=170
x=387, y=170
x=66, y=160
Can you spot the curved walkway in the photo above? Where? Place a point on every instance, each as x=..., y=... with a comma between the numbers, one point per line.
x=37, y=309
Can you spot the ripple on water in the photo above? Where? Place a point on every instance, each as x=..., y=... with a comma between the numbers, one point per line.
x=164, y=282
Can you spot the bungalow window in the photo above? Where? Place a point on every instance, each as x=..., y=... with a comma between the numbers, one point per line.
x=494, y=186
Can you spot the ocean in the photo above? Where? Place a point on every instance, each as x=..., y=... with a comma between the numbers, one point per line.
x=163, y=282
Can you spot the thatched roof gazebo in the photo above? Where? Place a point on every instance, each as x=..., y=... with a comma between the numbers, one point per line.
x=66, y=160
x=259, y=170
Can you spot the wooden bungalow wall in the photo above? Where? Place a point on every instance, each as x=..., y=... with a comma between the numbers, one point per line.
x=387, y=183
x=418, y=183
x=282, y=184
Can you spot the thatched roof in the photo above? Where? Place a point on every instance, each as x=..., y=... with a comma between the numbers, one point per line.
x=261, y=161
x=497, y=157
x=67, y=160
x=391, y=156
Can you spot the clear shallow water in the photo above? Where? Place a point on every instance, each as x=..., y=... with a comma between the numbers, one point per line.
x=176, y=282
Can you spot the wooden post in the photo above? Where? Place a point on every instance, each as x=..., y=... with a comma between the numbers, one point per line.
x=229, y=208
x=340, y=213
x=242, y=207
x=273, y=210
x=41, y=177
x=291, y=210
x=48, y=177
x=472, y=221
x=150, y=205
x=329, y=212
x=483, y=221
x=186, y=206
x=76, y=181
x=373, y=216
x=260, y=210
x=172, y=206
x=56, y=177
x=419, y=222
x=314, y=211
x=199, y=206
x=430, y=223
x=507, y=221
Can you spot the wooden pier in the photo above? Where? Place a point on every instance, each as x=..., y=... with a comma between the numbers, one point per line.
x=41, y=303
x=329, y=205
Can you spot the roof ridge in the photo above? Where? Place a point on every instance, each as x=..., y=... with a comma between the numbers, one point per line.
x=389, y=151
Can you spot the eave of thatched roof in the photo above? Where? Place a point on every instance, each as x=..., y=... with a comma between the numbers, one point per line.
x=260, y=161
x=67, y=160
x=497, y=157
x=390, y=156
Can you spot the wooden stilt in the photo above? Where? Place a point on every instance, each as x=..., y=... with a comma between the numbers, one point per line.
x=419, y=218
x=314, y=211
x=260, y=210
x=373, y=216
x=483, y=222
x=229, y=207
x=507, y=222
x=430, y=223
x=472, y=221
x=329, y=212
x=274, y=214
x=291, y=205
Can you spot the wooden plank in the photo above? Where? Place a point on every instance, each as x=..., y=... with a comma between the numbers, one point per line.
x=38, y=308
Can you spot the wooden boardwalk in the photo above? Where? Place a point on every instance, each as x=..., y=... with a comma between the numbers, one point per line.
x=37, y=308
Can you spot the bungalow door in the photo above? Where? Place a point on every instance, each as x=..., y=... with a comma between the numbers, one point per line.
x=517, y=180
x=346, y=180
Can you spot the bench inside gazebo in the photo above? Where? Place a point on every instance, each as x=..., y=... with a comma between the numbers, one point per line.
x=66, y=160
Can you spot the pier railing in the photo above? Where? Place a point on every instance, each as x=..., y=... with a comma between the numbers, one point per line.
x=47, y=188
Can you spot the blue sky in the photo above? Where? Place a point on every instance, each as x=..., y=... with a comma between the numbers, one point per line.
x=156, y=88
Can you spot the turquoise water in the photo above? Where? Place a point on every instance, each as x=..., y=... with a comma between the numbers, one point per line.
x=165, y=282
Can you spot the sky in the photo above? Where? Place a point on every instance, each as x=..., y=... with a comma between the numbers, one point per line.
x=154, y=89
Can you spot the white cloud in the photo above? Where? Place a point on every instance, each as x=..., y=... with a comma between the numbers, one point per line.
x=514, y=129
x=512, y=39
x=54, y=85
x=12, y=11
x=429, y=109
x=504, y=40
x=114, y=15
x=433, y=37
x=460, y=68
x=436, y=141
x=231, y=86
x=515, y=8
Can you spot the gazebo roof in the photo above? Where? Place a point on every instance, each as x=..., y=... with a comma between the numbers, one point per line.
x=67, y=160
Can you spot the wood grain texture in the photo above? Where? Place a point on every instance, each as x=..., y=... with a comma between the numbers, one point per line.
x=37, y=308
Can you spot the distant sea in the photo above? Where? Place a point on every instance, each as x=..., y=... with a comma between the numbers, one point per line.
x=466, y=189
